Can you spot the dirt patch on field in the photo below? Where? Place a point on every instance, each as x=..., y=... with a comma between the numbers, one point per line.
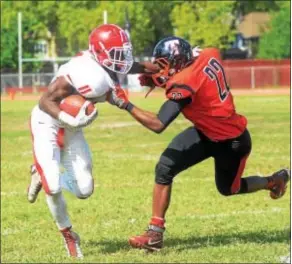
x=256, y=92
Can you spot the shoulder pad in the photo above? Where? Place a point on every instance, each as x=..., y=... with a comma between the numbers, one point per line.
x=87, y=77
x=211, y=52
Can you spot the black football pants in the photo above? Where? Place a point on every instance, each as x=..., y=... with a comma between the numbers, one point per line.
x=191, y=147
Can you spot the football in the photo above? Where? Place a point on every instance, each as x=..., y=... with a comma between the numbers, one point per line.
x=72, y=104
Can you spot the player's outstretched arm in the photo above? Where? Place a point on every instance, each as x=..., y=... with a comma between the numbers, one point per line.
x=154, y=122
x=158, y=122
x=144, y=67
x=57, y=91
x=147, y=119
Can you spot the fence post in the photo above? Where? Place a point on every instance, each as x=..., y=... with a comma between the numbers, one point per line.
x=252, y=77
x=20, y=84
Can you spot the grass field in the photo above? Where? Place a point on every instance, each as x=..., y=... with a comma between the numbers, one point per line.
x=202, y=225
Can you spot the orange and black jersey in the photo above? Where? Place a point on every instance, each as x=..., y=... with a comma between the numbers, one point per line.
x=204, y=98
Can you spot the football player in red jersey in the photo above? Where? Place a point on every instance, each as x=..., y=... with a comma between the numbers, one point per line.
x=196, y=86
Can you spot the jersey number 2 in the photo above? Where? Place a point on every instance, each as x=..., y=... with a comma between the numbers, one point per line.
x=214, y=70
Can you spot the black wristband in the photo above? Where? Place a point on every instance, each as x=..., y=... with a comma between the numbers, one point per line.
x=129, y=107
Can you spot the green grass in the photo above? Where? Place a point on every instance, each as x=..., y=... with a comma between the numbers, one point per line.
x=202, y=225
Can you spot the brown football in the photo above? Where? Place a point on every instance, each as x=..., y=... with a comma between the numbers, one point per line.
x=72, y=104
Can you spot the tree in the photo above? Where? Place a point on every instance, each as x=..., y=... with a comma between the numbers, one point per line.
x=245, y=7
x=204, y=23
x=275, y=43
x=76, y=23
x=9, y=34
x=160, y=20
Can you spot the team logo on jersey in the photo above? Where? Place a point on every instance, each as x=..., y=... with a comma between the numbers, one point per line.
x=176, y=95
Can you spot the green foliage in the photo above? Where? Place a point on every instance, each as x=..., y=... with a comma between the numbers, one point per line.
x=160, y=19
x=275, y=44
x=66, y=25
x=205, y=23
x=247, y=6
x=8, y=47
x=32, y=29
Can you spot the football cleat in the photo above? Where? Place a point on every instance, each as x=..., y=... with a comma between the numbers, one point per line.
x=151, y=240
x=278, y=183
x=72, y=243
x=35, y=185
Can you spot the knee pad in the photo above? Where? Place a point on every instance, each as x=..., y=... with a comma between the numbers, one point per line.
x=163, y=174
x=85, y=191
x=54, y=190
x=51, y=187
x=225, y=191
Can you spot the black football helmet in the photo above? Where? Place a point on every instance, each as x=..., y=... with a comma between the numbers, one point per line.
x=172, y=54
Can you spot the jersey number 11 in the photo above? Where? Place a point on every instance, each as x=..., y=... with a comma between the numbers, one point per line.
x=215, y=72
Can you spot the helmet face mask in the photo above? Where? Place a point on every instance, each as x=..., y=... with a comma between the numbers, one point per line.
x=161, y=78
x=120, y=59
x=111, y=47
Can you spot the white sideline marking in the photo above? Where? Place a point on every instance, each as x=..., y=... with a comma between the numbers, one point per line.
x=255, y=212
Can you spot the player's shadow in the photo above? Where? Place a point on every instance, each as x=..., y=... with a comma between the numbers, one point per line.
x=194, y=242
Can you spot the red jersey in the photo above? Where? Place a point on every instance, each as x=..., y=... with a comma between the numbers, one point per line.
x=212, y=110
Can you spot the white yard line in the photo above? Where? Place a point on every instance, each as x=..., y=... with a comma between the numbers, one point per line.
x=27, y=153
x=117, y=124
x=244, y=212
x=12, y=193
x=285, y=259
x=10, y=231
x=131, y=123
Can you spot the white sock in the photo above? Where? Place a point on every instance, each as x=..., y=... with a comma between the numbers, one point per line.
x=58, y=208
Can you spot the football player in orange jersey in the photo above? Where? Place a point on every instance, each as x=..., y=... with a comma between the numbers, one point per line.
x=196, y=87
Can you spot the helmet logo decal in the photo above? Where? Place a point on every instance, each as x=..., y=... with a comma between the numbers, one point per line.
x=172, y=45
x=101, y=44
x=123, y=36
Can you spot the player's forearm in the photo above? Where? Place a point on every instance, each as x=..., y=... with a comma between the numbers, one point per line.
x=49, y=106
x=144, y=67
x=51, y=99
x=147, y=119
x=167, y=113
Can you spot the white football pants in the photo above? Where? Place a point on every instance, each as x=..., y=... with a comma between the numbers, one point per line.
x=63, y=159
x=56, y=149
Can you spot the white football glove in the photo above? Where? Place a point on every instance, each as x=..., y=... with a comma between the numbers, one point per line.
x=81, y=120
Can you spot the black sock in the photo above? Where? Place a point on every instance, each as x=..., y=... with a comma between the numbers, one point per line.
x=253, y=183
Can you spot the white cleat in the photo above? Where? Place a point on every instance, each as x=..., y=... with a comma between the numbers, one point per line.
x=35, y=185
x=72, y=243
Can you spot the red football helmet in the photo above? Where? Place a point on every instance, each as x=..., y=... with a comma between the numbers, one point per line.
x=112, y=48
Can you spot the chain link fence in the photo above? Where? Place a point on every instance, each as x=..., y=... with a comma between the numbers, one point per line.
x=237, y=77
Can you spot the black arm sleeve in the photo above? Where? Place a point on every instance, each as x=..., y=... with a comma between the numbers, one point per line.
x=171, y=109
x=137, y=68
